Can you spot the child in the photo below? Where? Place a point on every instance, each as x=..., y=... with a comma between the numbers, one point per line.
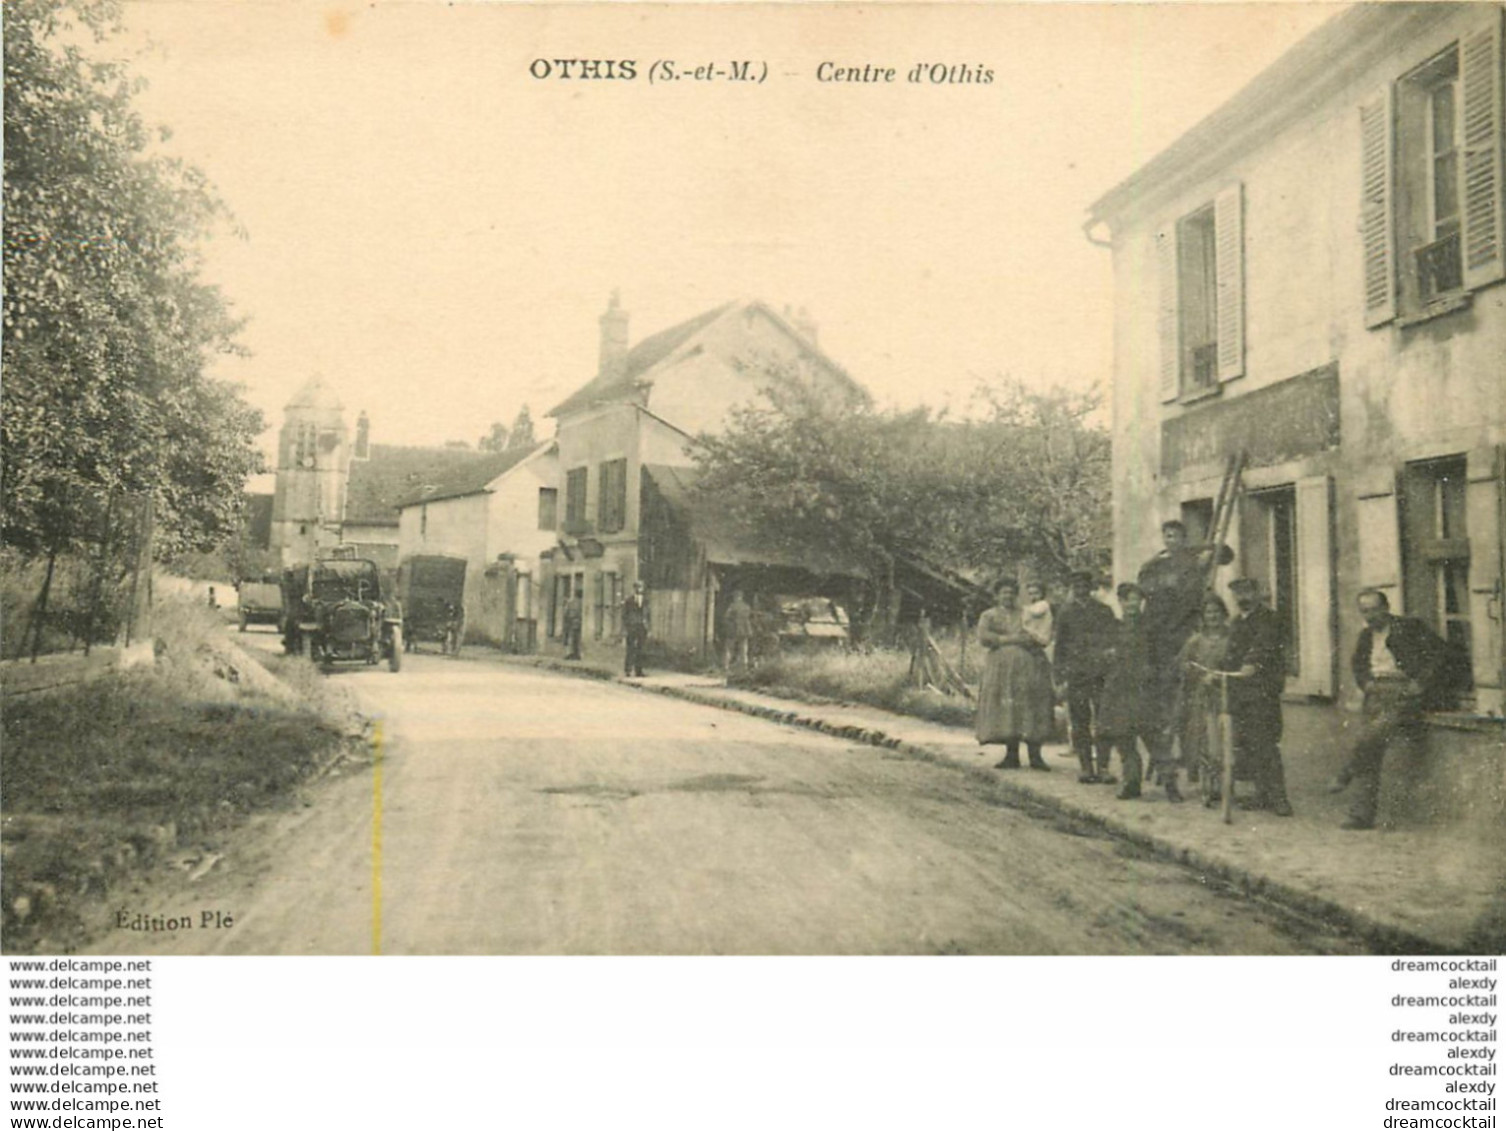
x=1037, y=618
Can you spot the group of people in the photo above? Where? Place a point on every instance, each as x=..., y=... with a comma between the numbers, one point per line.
x=1152, y=677
x=635, y=621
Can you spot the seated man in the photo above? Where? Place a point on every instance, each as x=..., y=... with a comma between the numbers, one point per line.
x=1400, y=665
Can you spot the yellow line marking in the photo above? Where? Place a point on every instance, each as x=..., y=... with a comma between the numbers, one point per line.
x=376, y=838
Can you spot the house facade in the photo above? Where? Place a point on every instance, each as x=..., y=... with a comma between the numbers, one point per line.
x=1313, y=276
x=499, y=514
x=645, y=405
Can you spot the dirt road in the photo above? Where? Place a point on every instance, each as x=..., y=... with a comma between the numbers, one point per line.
x=514, y=812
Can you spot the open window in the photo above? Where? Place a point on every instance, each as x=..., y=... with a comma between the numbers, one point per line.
x=1200, y=268
x=1431, y=181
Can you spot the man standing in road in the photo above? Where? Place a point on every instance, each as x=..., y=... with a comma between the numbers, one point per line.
x=574, y=619
x=634, y=630
x=1257, y=656
x=1400, y=665
x=738, y=626
x=1085, y=635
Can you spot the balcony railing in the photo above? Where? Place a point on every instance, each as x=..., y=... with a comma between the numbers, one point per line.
x=1439, y=267
x=1202, y=368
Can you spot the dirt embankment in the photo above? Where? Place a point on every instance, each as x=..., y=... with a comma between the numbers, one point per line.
x=150, y=769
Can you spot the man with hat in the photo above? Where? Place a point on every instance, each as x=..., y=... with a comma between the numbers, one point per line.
x=634, y=630
x=1257, y=657
x=1173, y=582
x=1086, y=631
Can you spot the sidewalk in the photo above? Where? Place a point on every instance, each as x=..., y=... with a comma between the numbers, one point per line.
x=1428, y=890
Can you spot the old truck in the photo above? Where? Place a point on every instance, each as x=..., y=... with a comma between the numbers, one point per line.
x=259, y=599
x=336, y=611
x=433, y=597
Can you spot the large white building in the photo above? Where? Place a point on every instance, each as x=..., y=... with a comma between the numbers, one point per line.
x=1314, y=275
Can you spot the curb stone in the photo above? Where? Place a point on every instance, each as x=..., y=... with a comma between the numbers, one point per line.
x=1384, y=938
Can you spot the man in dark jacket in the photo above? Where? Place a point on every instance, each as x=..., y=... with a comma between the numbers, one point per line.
x=574, y=620
x=634, y=630
x=1400, y=666
x=1086, y=632
x=1257, y=655
x=1128, y=711
x=1174, y=582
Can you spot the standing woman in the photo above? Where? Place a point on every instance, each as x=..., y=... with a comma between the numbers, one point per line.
x=1198, y=695
x=1015, y=699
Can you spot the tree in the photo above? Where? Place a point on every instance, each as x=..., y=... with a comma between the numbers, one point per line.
x=1025, y=483
x=521, y=434
x=495, y=440
x=108, y=328
x=1042, y=479
x=502, y=439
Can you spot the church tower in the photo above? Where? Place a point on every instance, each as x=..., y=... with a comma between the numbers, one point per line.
x=313, y=465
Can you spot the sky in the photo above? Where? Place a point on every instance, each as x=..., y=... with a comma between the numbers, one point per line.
x=435, y=230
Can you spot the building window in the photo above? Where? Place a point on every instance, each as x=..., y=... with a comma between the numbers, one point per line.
x=1197, y=286
x=612, y=500
x=1435, y=547
x=1200, y=268
x=575, y=501
x=1430, y=149
x=1197, y=517
x=305, y=443
x=548, y=508
x=1428, y=132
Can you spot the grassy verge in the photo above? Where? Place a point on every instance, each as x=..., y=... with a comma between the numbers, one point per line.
x=878, y=678
x=146, y=769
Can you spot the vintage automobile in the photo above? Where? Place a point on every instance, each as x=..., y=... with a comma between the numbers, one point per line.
x=433, y=596
x=260, y=600
x=335, y=612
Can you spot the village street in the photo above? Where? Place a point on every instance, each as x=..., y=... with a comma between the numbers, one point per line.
x=521, y=812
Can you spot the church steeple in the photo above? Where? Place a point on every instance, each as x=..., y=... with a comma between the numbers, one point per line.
x=313, y=465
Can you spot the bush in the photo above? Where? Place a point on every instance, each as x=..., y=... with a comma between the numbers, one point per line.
x=879, y=678
x=103, y=779
x=68, y=602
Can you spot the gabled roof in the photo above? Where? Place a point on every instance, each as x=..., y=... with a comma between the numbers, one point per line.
x=723, y=539
x=641, y=358
x=315, y=393
x=623, y=383
x=392, y=474
x=475, y=477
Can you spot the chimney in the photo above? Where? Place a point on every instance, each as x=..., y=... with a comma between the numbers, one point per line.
x=614, y=336
x=363, y=436
x=806, y=325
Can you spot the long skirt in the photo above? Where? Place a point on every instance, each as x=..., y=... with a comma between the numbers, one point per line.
x=1015, y=699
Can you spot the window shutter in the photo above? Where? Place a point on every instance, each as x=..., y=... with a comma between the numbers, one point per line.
x=1485, y=502
x=1480, y=83
x=1380, y=539
x=1315, y=603
x=1229, y=242
x=1167, y=323
x=1377, y=234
